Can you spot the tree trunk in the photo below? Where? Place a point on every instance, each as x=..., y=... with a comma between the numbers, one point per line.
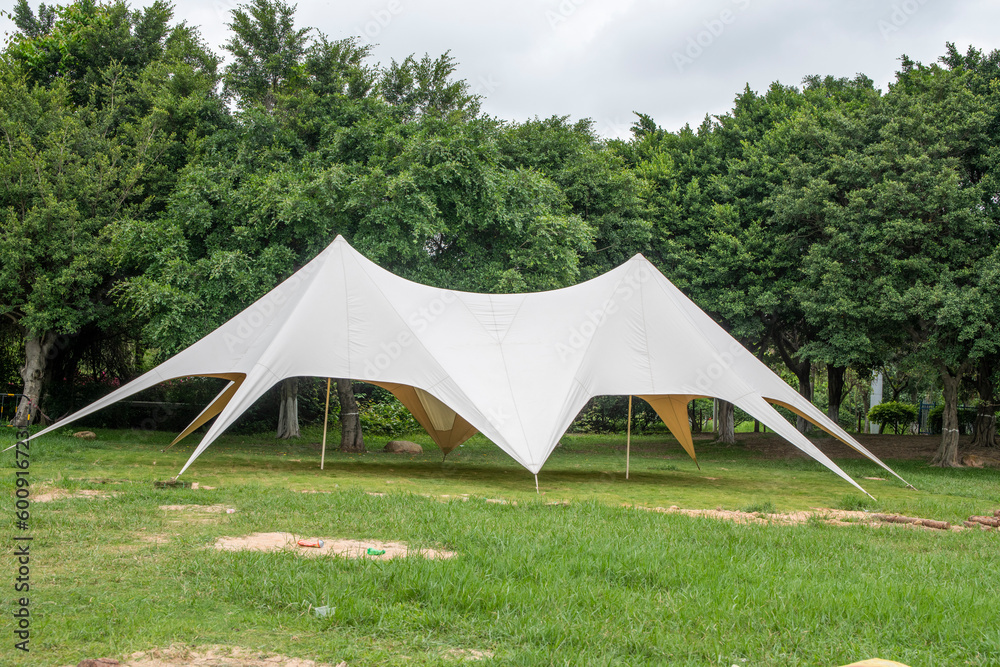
x=38, y=351
x=694, y=417
x=802, y=368
x=947, y=453
x=984, y=433
x=726, y=426
x=288, y=409
x=835, y=390
x=351, y=438
x=806, y=391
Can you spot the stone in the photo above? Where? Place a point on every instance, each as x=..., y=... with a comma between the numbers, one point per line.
x=403, y=447
x=85, y=435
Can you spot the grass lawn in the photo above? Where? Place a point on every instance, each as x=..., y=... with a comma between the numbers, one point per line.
x=588, y=582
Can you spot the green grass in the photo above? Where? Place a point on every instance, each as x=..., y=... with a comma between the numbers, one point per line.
x=585, y=583
x=759, y=507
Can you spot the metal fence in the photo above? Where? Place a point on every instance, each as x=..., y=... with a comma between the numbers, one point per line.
x=966, y=419
x=923, y=419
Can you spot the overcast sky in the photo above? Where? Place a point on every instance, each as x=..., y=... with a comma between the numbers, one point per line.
x=604, y=59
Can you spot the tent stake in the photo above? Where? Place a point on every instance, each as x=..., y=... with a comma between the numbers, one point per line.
x=536, y=482
x=326, y=414
x=628, y=437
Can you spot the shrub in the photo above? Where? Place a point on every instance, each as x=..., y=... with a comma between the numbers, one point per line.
x=895, y=414
x=966, y=418
x=388, y=418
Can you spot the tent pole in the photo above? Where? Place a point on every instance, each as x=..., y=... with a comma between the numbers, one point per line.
x=536, y=482
x=628, y=437
x=326, y=414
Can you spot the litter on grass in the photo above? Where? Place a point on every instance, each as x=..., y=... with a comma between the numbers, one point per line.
x=315, y=544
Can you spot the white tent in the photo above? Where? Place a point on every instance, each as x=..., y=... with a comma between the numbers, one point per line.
x=516, y=367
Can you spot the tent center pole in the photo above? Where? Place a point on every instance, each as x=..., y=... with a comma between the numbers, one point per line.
x=536, y=482
x=628, y=436
x=326, y=414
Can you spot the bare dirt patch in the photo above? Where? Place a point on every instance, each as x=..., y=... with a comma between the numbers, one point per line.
x=828, y=516
x=215, y=656
x=60, y=494
x=331, y=547
x=466, y=654
x=198, y=509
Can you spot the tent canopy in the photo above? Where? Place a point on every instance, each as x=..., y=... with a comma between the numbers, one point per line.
x=516, y=367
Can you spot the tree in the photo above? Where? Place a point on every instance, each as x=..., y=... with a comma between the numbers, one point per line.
x=725, y=425
x=89, y=45
x=29, y=24
x=697, y=239
x=64, y=180
x=288, y=413
x=426, y=87
x=351, y=438
x=910, y=250
x=267, y=52
x=89, y=96
x=786, y=180
x=593, y=176
x=985, y=430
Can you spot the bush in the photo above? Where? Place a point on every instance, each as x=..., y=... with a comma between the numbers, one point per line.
x=966, y=419
x=609, y=414
x=895, y=414
x=389, y=418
